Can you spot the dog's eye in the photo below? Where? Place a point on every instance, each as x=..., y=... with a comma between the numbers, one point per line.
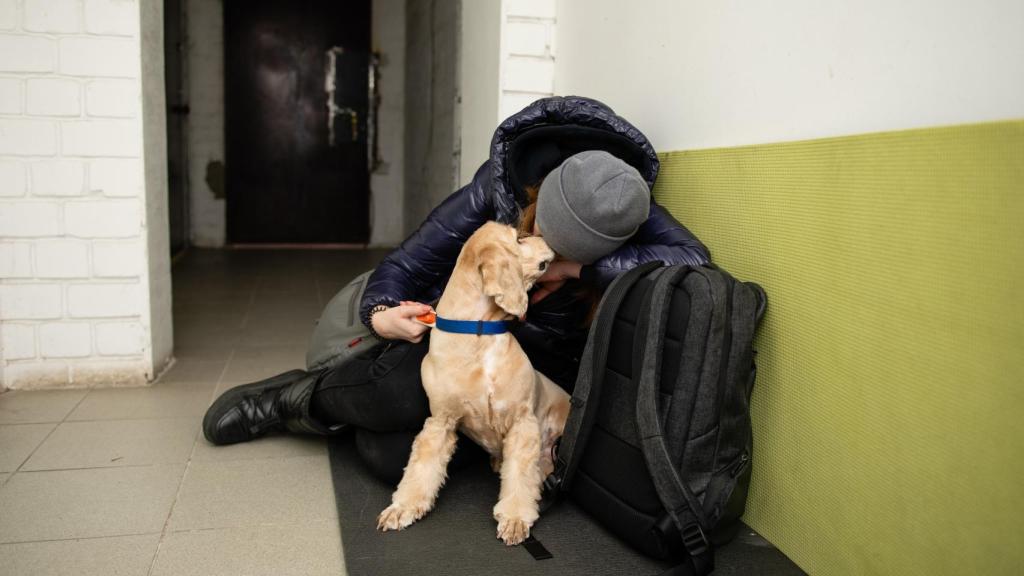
x=543, y=266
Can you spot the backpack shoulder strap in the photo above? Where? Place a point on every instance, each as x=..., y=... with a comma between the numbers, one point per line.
x=675, y=496
x=586, y=394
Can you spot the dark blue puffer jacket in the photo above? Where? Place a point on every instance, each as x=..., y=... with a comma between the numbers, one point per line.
x=525, y=147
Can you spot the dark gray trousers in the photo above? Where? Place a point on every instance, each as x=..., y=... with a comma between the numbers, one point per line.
x=381, y=394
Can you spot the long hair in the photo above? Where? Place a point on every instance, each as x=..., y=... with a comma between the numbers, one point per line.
x=529, y=214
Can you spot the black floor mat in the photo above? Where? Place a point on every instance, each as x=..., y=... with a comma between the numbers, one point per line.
x=458, y=536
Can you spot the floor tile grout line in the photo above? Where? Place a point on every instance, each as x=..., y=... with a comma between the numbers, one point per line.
x=209, y=400
x=76, y=538
x=48, y=434
x=77, y=404
x=164, y=463
x=253, y=299
x=259, y=525
x=170, y=511
x=300, y=525
x=188, y=465
x=121, y=467
x=90, y=420
x=248, y=309
x=28, y=422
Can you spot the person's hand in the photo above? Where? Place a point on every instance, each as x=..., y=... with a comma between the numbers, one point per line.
x=399, y=322
x=554, y=277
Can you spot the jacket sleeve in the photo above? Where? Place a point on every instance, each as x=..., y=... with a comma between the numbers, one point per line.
x=660, y=237
x=426, y=258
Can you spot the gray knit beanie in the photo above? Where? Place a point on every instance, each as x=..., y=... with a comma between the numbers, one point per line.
x=590, y=205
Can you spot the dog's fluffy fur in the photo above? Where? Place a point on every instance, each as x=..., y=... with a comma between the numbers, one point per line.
x=486, y=387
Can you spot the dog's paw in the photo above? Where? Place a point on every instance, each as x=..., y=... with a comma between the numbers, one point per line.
x=515, y=516
x=396, y=517
x=513, y=531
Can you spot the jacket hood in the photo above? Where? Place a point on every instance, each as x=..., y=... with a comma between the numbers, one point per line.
x=534, y=141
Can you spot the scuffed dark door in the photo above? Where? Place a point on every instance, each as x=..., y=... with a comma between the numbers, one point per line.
x=296, y=99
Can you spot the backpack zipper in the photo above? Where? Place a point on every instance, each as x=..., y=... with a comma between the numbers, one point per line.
x=740, y=466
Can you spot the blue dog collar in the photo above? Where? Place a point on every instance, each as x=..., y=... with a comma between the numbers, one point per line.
x=478, y=327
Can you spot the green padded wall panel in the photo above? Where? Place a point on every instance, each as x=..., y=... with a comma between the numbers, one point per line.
x=889, y=408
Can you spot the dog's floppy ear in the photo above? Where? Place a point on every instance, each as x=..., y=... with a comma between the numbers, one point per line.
x=503, y=280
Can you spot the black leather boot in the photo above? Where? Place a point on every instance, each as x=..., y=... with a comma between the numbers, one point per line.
x=277, y=404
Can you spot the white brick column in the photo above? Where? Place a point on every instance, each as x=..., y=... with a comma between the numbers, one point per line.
x=84, y=271
x=528, y=53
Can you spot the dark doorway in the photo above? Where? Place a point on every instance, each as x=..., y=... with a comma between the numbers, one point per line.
x=296, y=95
x=177, y=114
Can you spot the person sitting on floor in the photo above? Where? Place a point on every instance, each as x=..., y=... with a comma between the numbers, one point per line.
x=566, y=168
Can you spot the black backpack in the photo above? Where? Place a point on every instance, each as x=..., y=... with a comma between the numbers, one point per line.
x=658, y=441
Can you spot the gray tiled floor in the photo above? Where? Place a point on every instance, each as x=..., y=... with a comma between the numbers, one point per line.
x=121, y=481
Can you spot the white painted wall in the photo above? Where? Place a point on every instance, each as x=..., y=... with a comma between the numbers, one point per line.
x=432, y=162
x=479, y=83
x=204, y=68
x=82, y=196
x=527, y=53
x=704, y=74
x=387, y=182
x=506, y=61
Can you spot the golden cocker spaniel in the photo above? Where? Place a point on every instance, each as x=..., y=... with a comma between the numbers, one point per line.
x=485, y=386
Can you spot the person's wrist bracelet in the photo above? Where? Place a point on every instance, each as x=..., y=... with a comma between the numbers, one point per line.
x=369, y=323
